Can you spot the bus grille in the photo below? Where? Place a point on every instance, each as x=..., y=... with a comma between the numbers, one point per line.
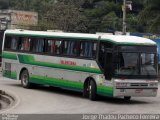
x=139, y=84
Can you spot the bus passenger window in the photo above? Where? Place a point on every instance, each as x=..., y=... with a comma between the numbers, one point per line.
x=70, y=48
x=50, y=46
x=14, y=43
x=11, y=42
x=65, y=47
x=58, y=45
x=26, y=44
x=88, y=49
x=37, y=45
x=40, y=45
x=76, y=49
x=94, y=49
x=19, y=44
x=33, y=45
x=53, y=46
x=7, y=42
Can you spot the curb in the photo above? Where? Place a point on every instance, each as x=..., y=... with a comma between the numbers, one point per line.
x=7, y=100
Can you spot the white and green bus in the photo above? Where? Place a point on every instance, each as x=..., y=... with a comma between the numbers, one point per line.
x=109, y=65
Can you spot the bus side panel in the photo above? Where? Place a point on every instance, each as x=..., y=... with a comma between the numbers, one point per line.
x=50, y=70
x=70, y=79
x=9, y=68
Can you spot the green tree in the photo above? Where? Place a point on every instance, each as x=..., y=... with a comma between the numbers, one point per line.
x=99, y=15
x=150, y=16
x=4, y=4
x=66, y=16
x=90, y=15
x=110, y=22
x=132, y=23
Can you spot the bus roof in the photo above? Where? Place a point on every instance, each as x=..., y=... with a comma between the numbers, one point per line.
x=53, y=34
x=131, y=40
x=116, y=39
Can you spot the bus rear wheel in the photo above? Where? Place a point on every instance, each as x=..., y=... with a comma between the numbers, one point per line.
x=25, y=79
x=92, y=90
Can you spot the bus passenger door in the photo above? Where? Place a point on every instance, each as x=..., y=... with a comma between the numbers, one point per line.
x=108, y=65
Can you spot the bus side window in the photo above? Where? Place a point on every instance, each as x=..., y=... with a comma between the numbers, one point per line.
x=24, y=45
x=14, y=43
x=94, y=49
x=33, y=45
x=58, y=47
x=40, y=45
x=20, y=44
x=65, y=47
x=37, y=45
x=50, y=46
x=70, y=48
x=8, y=41
x=88, y=49
x=73, y=48
x=53, y=46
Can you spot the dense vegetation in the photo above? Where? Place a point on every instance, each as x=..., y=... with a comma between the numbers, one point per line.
x=91, y=15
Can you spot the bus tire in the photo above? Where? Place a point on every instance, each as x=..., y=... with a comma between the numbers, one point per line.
x=86, y=89
x=24, y=77
x=127, y=98
x=92, y=90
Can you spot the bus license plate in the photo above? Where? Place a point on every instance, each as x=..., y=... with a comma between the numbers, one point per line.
x=138, y=90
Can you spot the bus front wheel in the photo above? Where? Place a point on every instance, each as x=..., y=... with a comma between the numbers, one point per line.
x=25, y=79
x=92, y=90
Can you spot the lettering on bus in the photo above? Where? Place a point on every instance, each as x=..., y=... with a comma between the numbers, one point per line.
x=66, y=62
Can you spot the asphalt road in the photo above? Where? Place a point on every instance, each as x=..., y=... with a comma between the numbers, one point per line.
x=54, y=100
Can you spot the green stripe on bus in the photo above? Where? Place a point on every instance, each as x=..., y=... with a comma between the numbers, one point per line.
x=9, y=74
x=73, y=85
x=29, y=59
x=56, y=82
x=105, y=90
x=8, y=55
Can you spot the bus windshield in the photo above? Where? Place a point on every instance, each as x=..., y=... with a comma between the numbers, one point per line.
x=148, y=66
x=131, y=64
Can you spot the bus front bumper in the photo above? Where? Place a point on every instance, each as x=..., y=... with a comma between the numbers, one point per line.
x=138, y=92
